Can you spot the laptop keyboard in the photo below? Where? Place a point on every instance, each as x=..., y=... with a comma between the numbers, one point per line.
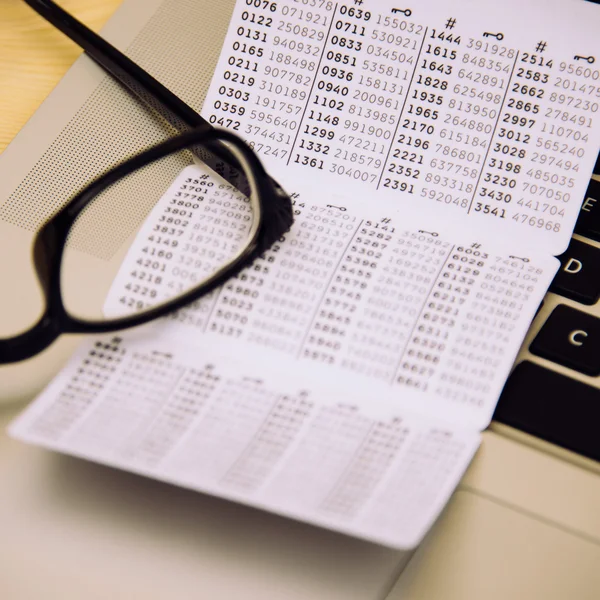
x=554, y=391
x=578, y=277
x=570, y=338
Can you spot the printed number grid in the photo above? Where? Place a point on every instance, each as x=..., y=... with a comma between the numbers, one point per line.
x=209, y=430
x=430, y=109
x=366, y=296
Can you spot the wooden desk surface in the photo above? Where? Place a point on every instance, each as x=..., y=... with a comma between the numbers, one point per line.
x=34, y=56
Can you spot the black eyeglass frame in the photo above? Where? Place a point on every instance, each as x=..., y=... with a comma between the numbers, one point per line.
x=50, y=241
x=274, y=207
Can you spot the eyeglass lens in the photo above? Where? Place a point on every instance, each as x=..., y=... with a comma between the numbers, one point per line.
x=156, y=234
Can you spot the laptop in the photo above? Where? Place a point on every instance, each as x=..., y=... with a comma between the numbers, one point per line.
x=524, y=522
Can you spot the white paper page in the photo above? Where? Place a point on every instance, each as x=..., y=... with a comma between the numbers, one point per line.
x=393, y=393
x=388, y=310
x=483, y=112
x=274, y=440
x=365, y=301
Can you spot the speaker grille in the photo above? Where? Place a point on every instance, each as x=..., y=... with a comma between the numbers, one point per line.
x=179, y=46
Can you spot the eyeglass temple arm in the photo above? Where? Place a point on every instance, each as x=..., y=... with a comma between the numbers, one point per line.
x=167, y=105
x=147, y=89
x=28, y=344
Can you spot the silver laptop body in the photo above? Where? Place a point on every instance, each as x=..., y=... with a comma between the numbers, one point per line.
x=524, y=523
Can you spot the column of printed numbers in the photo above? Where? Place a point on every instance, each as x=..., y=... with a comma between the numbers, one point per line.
x=321, y=456
x=408, y=159
x=272, y=440
x=310, y=23
x=368, y=467
x=269, y=302
x=236, y=300
x=502, y=289
x=131, y=403
x=392, y=301
x=313, y=145
x=506, y=155
x=200, y=228
x=80, y=391
x=438, y=318
x=306, y=261
x=177, y=415
x=241, y=75
x=337, y=95
x=479, y=83
x=474, y=351
x=361, y=84
x=342, y=298
x=561, y=140
x=155, y=275
x=357, y=343
x=219, y=228
x=230, y=422
x=425, y=467
x=286, y=76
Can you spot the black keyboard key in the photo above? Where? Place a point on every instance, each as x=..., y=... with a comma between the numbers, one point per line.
x=571, y=338
x=552, y=407
x=579, y=275
x=588, y=223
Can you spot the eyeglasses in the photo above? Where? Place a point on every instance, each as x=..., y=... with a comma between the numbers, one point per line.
x=222, y=151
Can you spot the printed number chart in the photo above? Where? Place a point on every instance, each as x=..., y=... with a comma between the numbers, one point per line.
x=342, y=295
x=437, y=156
x=483, y=112
x=271, y=441
x=341, y=379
